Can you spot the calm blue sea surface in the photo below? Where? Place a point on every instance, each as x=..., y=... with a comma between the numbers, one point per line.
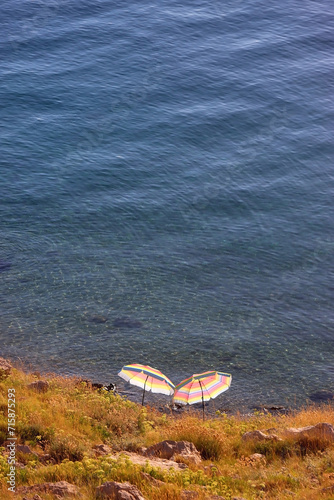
x=166, y=190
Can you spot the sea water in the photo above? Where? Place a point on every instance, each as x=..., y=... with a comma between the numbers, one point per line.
x=166, y=190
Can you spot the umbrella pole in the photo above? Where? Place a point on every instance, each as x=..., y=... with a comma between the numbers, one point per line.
x=202, y=399
x=142, y=403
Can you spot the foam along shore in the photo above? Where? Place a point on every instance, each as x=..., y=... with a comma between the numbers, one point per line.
x=62, y=437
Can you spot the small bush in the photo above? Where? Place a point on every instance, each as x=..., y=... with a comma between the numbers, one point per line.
x=28, y=432
x=66, y=448
x=307, y=445
x=208, y=441
x=273, y=449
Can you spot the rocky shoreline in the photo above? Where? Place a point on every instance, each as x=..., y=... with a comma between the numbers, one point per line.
x=213, y=407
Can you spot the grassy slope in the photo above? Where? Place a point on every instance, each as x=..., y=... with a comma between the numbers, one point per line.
x=69, y=419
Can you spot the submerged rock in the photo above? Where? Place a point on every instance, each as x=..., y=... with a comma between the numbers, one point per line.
x=321, y=396
x=4, y=266
x=98, y=319
x=127, y=323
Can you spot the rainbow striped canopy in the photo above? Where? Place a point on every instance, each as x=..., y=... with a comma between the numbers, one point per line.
x=202, y=387
x=147, y=378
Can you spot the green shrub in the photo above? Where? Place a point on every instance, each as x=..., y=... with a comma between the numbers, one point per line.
x=66, y=448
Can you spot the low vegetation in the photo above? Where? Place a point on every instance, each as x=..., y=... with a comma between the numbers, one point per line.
x=62, y=425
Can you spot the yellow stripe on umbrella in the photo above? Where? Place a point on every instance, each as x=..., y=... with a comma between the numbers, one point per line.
x=202, y=387
x=147, y=378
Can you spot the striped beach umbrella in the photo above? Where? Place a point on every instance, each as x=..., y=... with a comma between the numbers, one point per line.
x=148, y=378
x=202, y=387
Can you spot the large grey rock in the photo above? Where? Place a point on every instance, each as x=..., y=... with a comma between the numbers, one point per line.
x=39, y=386
x=322, y=430
x=5, y=368
x=60, y=489
x=175, y=449
x=119, y=491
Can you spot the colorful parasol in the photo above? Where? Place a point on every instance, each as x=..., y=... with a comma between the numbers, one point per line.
x=202, y=387
x=147, y=378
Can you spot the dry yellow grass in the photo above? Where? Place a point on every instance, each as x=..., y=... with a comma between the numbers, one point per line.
x=70, y=418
